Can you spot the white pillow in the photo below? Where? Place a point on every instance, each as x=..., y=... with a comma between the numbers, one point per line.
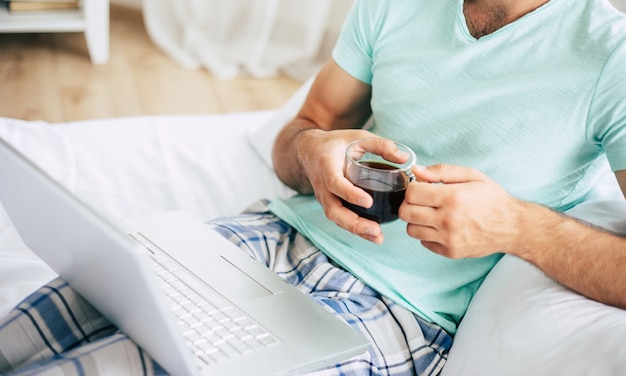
x=262, y=137
x=523, y=323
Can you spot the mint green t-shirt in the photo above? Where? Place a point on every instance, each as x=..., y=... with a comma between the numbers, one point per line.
x=538, y=105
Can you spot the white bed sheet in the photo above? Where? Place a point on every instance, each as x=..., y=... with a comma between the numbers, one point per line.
x=520, y=322
x=135, y=166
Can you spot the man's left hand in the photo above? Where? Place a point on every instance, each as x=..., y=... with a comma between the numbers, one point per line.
x=459, y=212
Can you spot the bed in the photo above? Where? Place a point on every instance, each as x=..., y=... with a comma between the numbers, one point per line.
x=519, y=323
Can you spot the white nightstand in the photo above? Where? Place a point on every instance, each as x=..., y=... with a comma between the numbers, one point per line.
x=92, y=19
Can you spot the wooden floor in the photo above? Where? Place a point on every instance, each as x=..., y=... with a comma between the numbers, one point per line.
x=49, y=77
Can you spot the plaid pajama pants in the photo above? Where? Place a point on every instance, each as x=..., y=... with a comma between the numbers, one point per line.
x=56, y=332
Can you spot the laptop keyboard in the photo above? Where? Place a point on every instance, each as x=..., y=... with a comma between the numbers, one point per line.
x=213, y=328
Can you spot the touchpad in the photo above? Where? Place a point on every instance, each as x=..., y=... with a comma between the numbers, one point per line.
x=238, y=282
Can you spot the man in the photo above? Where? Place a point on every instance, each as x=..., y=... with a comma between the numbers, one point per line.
x=471, y=215
x=527, y=94
x=510, y=107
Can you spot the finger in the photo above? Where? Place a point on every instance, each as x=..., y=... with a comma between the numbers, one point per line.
x=419, y=215
x=436, y=248
x=445, y=173
x=423, y=233
x=425, y=194
x=428, y=236
x=345, y=189
x=368, y=230
x=350, y=221
x=386, y=148
x=332, y=179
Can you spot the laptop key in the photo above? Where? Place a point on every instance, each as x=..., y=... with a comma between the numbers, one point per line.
x=213, y=328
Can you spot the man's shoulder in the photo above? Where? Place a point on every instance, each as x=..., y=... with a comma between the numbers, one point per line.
x=604, y=22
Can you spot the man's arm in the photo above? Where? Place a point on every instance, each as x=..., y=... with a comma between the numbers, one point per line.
x=309, y=152
x=576, y=254
x=586, y=259
x=472, y=216
x=336, y=100
x=621, y=180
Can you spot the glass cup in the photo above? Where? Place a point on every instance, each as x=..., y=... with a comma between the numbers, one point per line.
x=386, y=181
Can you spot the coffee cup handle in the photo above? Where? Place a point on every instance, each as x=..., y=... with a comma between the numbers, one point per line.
x=410, y=174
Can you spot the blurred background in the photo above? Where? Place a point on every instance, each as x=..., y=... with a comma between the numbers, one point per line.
x=164, y=57
x=161, y=56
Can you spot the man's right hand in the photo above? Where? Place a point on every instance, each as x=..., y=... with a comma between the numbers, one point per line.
x=322, y=157
x=309, y=152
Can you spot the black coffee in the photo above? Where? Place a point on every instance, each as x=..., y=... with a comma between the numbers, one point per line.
x=388, y=193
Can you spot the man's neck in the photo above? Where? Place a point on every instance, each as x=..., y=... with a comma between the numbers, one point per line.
x=483, y=17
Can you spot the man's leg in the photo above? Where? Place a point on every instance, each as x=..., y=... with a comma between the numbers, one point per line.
x=56, y=331
x=401, y=342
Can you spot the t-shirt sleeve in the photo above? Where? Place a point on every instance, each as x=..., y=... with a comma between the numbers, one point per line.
x=608, y=111
x=353, y=51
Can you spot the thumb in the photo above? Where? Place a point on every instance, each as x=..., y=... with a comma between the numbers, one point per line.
x=445, y=173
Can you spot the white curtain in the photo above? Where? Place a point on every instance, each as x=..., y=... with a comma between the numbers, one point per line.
x=260, y=38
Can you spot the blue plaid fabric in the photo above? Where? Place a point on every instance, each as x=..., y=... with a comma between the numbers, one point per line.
x=55, y=331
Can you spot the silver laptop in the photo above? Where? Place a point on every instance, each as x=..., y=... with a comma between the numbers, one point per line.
x=193, y=300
